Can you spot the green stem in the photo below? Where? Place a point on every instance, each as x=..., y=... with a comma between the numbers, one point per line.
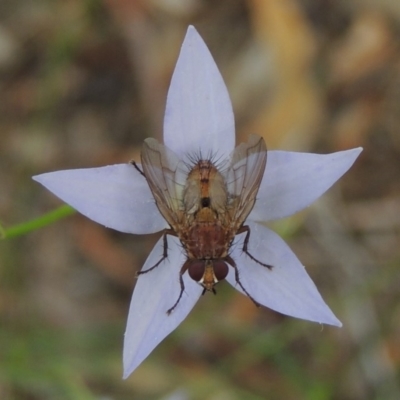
x=37, y=223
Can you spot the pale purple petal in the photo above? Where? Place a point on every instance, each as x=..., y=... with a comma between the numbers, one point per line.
x=155, y=293
x=198, y=117
x=286, y=288
x=116, y=196
x=292, y=181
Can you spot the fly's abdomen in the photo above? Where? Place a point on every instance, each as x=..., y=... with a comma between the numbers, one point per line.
x=207, y=241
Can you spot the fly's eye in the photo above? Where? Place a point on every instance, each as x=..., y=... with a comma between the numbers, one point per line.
x=196, y=270
x=220, y=270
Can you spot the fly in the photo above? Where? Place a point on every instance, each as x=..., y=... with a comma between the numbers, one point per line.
x=205, y=206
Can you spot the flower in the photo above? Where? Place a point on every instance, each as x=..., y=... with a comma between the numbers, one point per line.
x=199, y=120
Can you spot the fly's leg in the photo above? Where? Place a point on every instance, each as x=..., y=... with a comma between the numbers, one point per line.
x=165, y=252
x=137, y=167
x=245, y=244
x=232, y=263
x=182, y=284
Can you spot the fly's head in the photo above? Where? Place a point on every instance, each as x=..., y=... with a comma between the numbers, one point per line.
x=208, y=273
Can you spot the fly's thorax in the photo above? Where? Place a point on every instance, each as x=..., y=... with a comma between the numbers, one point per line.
x=205, y=187
x=208, y=272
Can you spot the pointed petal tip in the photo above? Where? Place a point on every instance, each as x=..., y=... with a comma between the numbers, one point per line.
x=126, y=374
x=350, y=154
x=332, y=320
x=356, y=150
x=37, y=178
x=42, y=178
x=191, y=34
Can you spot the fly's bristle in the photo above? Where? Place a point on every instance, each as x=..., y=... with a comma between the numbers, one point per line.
x=215, y=160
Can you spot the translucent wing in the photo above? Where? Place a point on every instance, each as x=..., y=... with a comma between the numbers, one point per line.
x=244, y=176
x=161, y=169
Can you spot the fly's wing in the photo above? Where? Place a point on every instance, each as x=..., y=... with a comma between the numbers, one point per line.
x=244, y=177
x=160, y=167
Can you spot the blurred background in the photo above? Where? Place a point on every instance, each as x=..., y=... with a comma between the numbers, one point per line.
x=82, y=83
